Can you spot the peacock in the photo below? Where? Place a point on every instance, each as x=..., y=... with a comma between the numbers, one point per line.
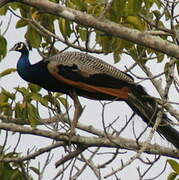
x=79, y=74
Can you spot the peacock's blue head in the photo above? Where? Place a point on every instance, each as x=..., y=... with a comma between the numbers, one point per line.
x=20, y=47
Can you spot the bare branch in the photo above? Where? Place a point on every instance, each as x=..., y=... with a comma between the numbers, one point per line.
x=123, y=143
x=33, y=155
x=71, y=155
x=142, y=149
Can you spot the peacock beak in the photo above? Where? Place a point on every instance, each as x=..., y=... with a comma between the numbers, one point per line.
x=13, y=48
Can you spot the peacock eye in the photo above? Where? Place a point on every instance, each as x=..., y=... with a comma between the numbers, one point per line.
x=20, y=46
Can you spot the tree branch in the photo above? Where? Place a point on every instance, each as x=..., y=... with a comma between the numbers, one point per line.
x=109, y=27
x=33, y=155
x=116, y=142
x=71, y=155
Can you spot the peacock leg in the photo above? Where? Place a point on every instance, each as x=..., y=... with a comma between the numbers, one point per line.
x=77, y=113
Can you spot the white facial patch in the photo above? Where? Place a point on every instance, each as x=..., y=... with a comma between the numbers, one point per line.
x=20, y=46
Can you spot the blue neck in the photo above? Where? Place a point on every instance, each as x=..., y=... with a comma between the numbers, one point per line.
x=23, y=66
x=37, y=73
x=23, y=61
x=27, y=71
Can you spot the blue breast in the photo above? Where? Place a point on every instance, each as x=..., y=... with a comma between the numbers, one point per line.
x=38, y=74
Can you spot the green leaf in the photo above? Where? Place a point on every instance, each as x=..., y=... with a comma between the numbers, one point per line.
x=92, y=2
x=167, y=16
x=117, y=56
x=97, y=9
x=136, y=22
x=38, y=97
x=130, y=7
x=149, y=3
x=47, y=21
x=172, y=176
x=51, y=99
x=65, y=27
x=104, y=42
x=16, y=175
x=174, y=165
x=63, y=101
x=4, y=104
x=15, y=5
x=35, y=170
x=3, y=98
x=7, y=71
x=77, y=4
x=34, y=88
x=158, y=3
x=33, y=115
x=21, y=23
x=6, y=170
x=21, y=111
x=83, y=34
x=160, y=57
x=33, y=37
x=3, y=10
x=8, y=94
x=3, y=47
x=22, y=90
x=157, y=14
x=12, y=155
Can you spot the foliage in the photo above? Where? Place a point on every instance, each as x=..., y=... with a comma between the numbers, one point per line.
x=27, y=108
x=3, y=47
x=45, y=32
x=128, y=13
x=175, y=167
x=12, y=171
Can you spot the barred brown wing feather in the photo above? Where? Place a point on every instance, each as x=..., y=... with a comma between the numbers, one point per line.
x=88, y=64
x=96, y=83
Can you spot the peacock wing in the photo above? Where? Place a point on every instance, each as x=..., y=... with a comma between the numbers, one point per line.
x=89, y=73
